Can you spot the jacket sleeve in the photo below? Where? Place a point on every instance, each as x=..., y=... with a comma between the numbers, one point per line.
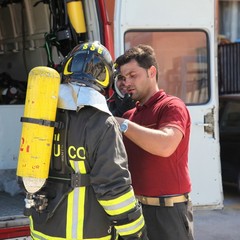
x=111, y=182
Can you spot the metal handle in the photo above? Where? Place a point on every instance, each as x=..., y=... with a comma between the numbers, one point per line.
x=204, y=124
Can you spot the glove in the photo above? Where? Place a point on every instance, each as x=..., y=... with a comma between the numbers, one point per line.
x=124, y=105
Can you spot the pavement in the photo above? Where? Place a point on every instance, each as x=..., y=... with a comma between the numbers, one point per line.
x=220, y=224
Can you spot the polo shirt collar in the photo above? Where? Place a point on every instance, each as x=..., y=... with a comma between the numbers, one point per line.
x=158, y=95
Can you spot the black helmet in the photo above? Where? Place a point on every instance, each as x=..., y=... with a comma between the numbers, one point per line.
x=89, y=64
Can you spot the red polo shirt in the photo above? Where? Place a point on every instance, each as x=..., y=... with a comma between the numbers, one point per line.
x=153, y=175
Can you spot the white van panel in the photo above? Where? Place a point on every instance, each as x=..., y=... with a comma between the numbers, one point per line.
x=204, y=156
x=10, y=133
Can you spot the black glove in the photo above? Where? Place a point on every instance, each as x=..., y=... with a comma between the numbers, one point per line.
x=124, y=105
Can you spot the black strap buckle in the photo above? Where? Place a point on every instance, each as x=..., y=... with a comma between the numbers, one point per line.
x=80, y=180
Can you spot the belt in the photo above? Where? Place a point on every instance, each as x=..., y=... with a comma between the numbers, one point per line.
x=163, y=201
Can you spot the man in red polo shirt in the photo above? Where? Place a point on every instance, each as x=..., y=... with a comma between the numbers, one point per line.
x=156, y=136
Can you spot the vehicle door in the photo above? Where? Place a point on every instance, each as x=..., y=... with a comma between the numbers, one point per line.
x=183, y=34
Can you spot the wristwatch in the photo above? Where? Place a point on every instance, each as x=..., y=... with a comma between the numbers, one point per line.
x=124, y=126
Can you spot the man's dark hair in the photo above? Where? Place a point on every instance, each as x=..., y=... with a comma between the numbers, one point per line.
x=143, y=54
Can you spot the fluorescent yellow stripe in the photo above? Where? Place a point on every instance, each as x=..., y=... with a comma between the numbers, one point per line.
x=69, y=216
x=119, y=205
x=105, y=83
x=82, y=167
x=121, y=210
x=81, y=202
x=81, y=212
x=114, y=201
x=131, y=228
x=65, y=70
x=102, y=238
x=70, y=211
x=40, y=236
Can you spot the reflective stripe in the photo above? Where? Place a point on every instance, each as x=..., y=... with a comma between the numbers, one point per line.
x=131, y=228
x=75, y=213
x=76, y=210
x=36, y=237
x=76, y=202
x=69, y=220
x=40, y=236
x=119, y=205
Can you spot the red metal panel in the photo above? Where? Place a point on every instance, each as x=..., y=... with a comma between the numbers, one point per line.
x=13, y=232
x=107, y=29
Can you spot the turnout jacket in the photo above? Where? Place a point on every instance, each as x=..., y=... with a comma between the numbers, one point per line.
x=89, y=186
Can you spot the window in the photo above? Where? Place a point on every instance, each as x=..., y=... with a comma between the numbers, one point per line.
x=230, y=118
x=183, y=61
x=229, y=16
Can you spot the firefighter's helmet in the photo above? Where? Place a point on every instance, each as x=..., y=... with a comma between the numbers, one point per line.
x=89, y=64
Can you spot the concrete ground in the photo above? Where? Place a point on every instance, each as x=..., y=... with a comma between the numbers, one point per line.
x=221, y=224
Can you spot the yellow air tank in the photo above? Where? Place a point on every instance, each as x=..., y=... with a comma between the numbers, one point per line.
x=38, y=127
x=76, y=16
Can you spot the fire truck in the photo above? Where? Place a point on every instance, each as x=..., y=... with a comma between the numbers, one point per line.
x=42, y=32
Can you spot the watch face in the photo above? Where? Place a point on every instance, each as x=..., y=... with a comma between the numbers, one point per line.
x=124, y=127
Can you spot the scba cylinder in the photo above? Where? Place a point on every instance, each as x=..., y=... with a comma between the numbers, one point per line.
x=76, y=16
x=38, y=127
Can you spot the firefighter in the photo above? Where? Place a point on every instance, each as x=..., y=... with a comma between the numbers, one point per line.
x=88, y=194
x=120, y=101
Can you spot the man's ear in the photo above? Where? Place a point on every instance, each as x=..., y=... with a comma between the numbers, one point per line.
x=152, y=71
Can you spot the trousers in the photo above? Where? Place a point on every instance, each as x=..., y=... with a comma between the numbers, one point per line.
x=169, y=223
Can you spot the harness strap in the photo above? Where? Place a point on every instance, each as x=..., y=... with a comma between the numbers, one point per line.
x=48, y=123
x=80, y=180
x=76, y=179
